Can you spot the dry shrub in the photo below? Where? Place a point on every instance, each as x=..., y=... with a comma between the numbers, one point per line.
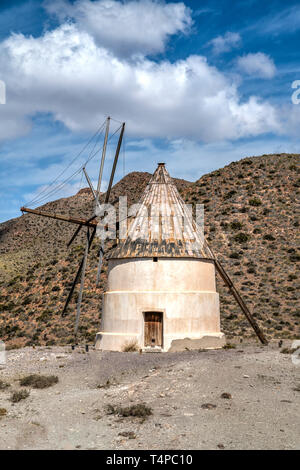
x=138, y=411
x=208, y=406
x=288, y=350
x=4, y=385
x=130, y=346
x=129, y=434
x=107, y=384
x=19, y=395
x=226, y=395
x=39, y=381
x=229, y=346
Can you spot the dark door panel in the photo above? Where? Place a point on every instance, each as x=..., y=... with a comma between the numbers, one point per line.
x=153, y=329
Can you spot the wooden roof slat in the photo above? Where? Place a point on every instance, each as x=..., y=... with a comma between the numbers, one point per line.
x=164, y=206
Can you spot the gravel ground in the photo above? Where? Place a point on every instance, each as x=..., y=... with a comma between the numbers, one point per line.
x=262, y=413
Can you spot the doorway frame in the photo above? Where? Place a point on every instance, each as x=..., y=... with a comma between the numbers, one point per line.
x=153, y=310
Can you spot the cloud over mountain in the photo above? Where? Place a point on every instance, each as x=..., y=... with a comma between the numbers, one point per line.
x=67, y=72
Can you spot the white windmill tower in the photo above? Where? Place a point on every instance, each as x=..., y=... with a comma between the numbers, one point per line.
x=161, y=290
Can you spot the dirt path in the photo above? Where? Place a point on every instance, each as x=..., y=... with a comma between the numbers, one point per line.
x=263, y=412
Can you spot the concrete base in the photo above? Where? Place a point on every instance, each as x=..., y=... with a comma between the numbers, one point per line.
x=206, y=342
x=117, y=342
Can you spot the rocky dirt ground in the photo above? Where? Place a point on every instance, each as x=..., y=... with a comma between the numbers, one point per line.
x=262, y=411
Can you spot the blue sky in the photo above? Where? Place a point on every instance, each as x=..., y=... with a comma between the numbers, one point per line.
x=199, y=84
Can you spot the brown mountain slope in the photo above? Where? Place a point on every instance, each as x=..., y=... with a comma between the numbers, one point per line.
x=251, y=223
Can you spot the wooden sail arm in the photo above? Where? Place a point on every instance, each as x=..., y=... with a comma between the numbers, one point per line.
x=240, y=301
x=233, y=290
x=73, y=220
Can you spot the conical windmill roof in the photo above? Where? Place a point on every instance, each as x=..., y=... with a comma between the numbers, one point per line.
x=159, y=228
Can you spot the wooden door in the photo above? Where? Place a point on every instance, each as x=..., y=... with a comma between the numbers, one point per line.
x=153, y=329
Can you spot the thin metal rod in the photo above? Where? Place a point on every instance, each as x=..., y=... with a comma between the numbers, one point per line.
x=114, y=164
x=101, y=251
x=82, y=281
x=89, y=183
x=77, y=276
x=74, y=236
x=102, y=160
x=101, y=254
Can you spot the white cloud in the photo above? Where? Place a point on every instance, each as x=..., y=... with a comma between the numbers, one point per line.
x=257, y=65
x=286, y=21
x=134, y=27
x=225, y=43
x=64, y=72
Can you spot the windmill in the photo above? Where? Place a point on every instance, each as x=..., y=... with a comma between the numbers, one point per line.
x=92, y=225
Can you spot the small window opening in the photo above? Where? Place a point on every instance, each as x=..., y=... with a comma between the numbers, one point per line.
x=155, y=259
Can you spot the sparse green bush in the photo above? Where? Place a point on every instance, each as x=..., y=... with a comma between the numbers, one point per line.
x=241, y=237
x=8, y=307
x=269, y=237
x=45, y=316
x=27, y=300
x=251, y=270
x=229, y=194
x=255, y=202
x=236, y=225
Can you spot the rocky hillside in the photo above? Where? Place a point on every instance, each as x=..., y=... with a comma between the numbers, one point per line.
x=251, y=222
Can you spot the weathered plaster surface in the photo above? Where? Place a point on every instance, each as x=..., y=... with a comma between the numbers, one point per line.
x=182, y=289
